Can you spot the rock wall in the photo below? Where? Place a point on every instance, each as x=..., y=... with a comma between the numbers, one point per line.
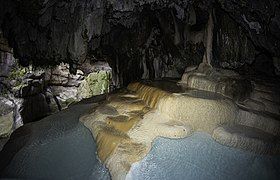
x=33, y=93
x=93, y=79
x=49, y=90
x=6, y=117
x=232, y=46
x=259, y=20
x=10, y=117
x=141, y=39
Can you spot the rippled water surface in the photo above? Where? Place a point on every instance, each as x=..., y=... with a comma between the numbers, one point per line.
x=200, y=157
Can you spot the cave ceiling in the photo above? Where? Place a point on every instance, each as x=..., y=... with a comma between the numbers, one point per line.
x=47, y=32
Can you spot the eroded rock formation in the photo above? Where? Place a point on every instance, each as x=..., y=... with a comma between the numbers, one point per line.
x=149, y=39
x=36, y=92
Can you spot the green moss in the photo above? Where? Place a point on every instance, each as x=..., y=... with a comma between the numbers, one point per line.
x=17, y=72
x=18, y=86
x=94, y=84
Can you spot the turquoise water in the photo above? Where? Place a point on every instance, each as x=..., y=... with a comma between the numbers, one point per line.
x=200, y=157
x=57, y=147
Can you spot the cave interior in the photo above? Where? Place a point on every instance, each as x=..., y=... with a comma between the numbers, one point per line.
x=123, y=89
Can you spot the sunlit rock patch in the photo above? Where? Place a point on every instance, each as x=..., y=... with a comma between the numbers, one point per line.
x=6, y=117
x=94, y=84
x=9, y=118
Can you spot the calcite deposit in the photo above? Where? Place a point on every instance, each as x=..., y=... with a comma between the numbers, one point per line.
x=125, y=126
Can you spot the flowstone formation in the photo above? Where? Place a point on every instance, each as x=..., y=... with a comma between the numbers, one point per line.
x=125, y=126
x=257, y=126
x=220, y=81
x=128, y=122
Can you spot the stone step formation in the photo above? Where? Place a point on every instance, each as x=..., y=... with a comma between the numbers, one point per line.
x=225, y=106
x=258, y=125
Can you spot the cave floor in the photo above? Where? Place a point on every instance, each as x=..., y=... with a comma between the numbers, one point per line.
x=60, y=147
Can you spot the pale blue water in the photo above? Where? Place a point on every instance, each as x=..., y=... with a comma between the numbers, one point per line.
x=57, y=147
x=200, y=157
x=60, y=147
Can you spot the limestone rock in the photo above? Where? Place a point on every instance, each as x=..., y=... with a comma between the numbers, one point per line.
x=61, y=76
x=220, y=81
x=6, y=124
x=6, y=117
x=247, y=138
x=120, y=33
x=230, y=54
x=6, y=106
x=94, y=84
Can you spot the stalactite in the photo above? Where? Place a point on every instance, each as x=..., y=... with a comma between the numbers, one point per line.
x=177, y=38
x=145, y=74
x=191, y=20
x=209, y=40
